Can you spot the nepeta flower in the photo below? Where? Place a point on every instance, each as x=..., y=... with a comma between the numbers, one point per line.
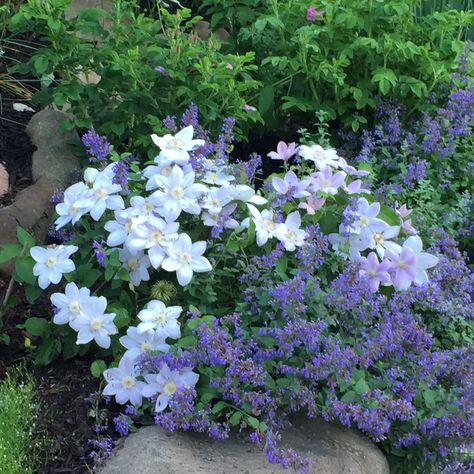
x=52, y=262
x=284, y=152
x=94, y=324
x=185, y=257
x=122, y=382
x=160, y=318
x=166, y=383
x=97, y=147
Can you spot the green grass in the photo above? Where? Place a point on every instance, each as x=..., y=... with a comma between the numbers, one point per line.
x=19, y=439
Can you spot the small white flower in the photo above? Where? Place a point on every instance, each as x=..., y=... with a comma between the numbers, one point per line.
x=76, y=203
x=94, y=324
x=52, y=262
x=154, y=235
x=290, y=233
x=166, y=383
x=137, y=263
x=70, y=303
x=185, y=257
x=216, y=199
x=242, y=192
x=321, y=157
x=121, y=229
x=123, y=383
x=175, y=149
x=424, y=260
x=265, y=226
x=103, y=194
x=290, y=184
x=143, y=343
x=218, y=178
x=160, y=318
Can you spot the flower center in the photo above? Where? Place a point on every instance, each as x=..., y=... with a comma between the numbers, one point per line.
x=213, y=175
x=74, y=307
x=156, y=236
x=401, y=264
x=379, y=238
x=177, y=192
x=101, y=192
x=146, y=346
x=215, y=202
x=268, y=224
x=291, y=235
x=128, y=381
x=364, y=221
x=160, y=318
x=96, y=324
x=175, y=143
x=73, y=210
x=186, y=257
x=128, y=225
x=326, y=183
x=133, y=263
x=148, y=207
x=51, y=261
x=371, y=272
x=166, y=170
x=169, y=387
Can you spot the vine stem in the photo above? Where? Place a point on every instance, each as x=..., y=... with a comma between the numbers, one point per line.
x=10, y=283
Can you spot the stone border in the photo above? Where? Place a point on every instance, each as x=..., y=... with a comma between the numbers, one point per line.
x=52, y=165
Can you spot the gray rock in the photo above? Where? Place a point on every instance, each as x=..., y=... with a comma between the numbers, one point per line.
x=335, y=450
x=53, y=159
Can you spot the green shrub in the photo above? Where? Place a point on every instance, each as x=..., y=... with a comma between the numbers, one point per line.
x=148, y=69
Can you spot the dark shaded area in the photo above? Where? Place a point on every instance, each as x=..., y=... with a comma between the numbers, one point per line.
x=15, y=146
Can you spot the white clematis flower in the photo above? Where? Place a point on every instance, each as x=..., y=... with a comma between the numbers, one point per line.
x=265, y=226
x=137, y=263
x=175, y=149
x=321, y=157
x=290, y=233
x=52, y=262
x=70, y=303
x=160, y=318
x=143, y=343
x=166, y=383
x=94, y=324
x=76, y=203
x=123, y=383
x=185, y=257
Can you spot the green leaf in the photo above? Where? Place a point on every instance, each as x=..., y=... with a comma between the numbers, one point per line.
x=218, y=407
x=361, y=386
x=253, y=422
x=266, y=99
x=186, y=341
x=9, y=251
x=37, y=326
x=24, y=237
x=32, y=293
x=234, y=420
x=98, y=367
x=122, y=318
x=48, y=351
x=389, y=215
x=24, y=270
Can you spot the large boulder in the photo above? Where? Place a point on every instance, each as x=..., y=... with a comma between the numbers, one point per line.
x=52, y=165
x=335, y=450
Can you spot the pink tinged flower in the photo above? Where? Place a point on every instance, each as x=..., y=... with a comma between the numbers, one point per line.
x=375, y=270
x=75, y=204
x=143, y=343
x=249, y=108
x=229, y=66
x=290, y=233
x=137, y=263
x=166, y=383
x=160, y=318
x=327, y=182
x=175, y=149
x=154, y=235
x=265, y=226
x=403, y=267
x=284, y=152
x=350, y=170
x=70, y=303
x=290, y=184
x=408, y=228
x=52, y=262
x=424, y=260
x=94, y=324
x=312, y=13
x=355, y=187
x=403, y=211
x=122, y=382
x=320, y=156
x=312, y=204
x=185, y=257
